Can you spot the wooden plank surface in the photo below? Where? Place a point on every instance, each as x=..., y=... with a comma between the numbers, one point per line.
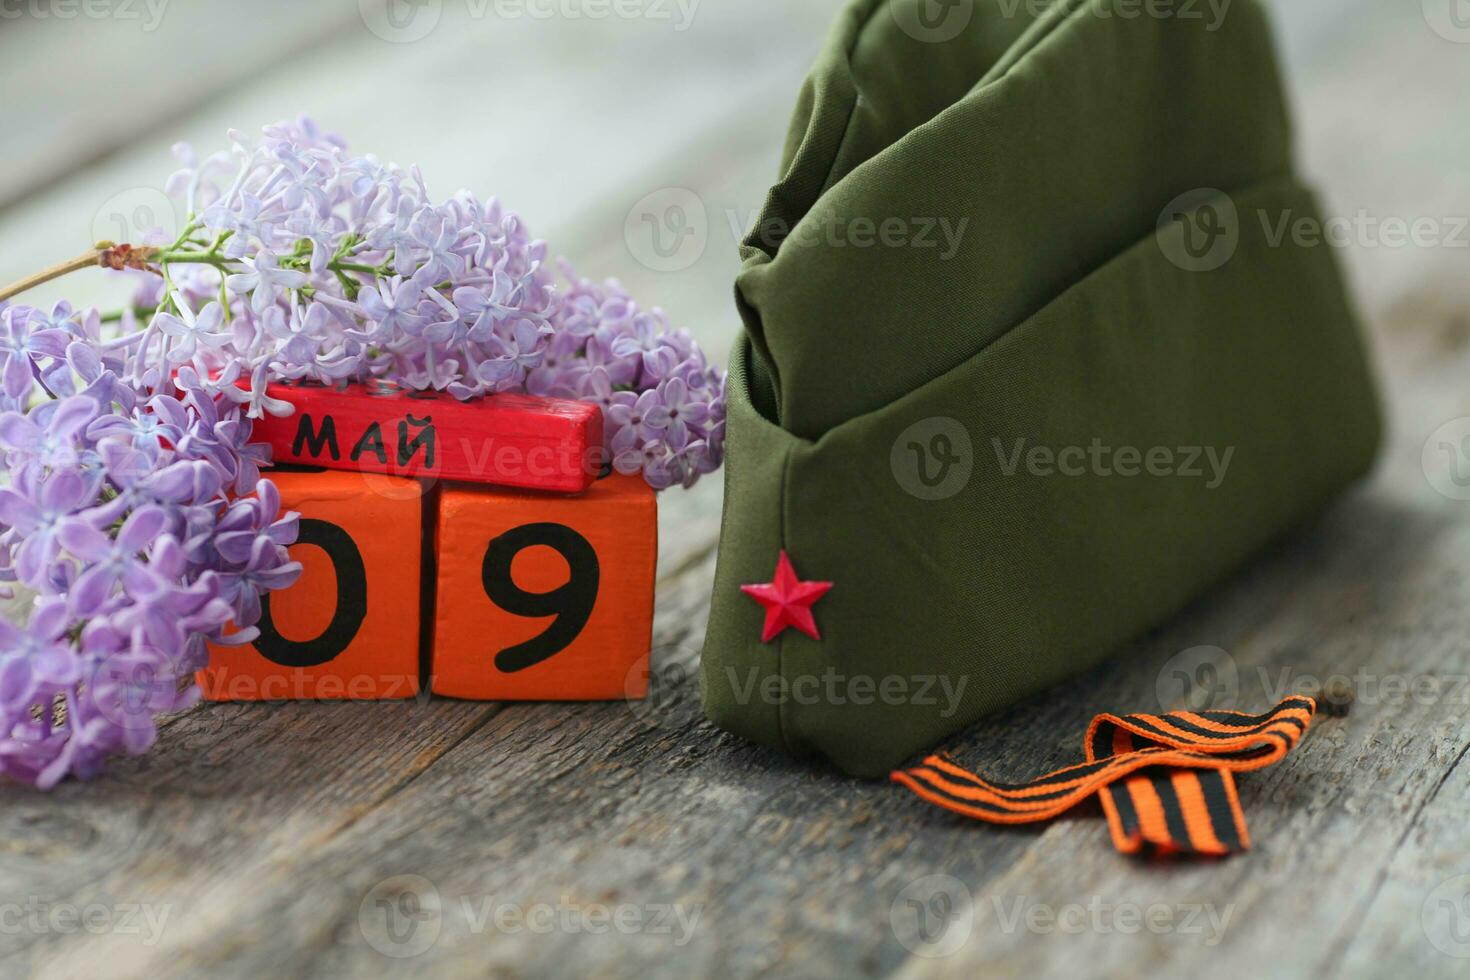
x=278, y=839
x=76, y=89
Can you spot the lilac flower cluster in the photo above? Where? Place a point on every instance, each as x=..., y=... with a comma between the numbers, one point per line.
x=308, y=264
x=662, y=404
x=135, y=516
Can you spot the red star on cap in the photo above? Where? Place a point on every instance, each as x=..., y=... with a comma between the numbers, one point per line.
x=788, y=601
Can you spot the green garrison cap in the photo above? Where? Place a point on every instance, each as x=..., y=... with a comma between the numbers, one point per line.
x=1033, y=355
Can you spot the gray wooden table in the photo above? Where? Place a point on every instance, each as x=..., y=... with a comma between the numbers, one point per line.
x=634, y=839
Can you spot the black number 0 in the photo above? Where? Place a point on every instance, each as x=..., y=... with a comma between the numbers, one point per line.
x=348, y=615
x=571, y=603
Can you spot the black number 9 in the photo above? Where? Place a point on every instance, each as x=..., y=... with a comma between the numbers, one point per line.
x=571, y=603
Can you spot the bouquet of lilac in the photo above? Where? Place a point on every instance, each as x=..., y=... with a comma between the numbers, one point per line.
x=132, y=508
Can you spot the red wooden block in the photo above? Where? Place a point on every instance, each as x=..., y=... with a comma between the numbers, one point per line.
x=510, y=440
x=349, y=627
x=542, y=597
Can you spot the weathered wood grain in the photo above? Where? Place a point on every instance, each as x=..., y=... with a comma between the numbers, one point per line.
x=76, y=88
x=270, y=832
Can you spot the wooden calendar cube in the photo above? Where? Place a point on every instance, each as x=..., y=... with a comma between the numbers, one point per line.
x=509, y=440
x=544, y=597
x=349, y=627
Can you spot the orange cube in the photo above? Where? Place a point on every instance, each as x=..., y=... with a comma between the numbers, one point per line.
x=349, y=627
x=544, y=597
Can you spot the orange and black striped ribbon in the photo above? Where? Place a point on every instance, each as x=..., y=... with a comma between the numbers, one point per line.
x=1166, y=782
